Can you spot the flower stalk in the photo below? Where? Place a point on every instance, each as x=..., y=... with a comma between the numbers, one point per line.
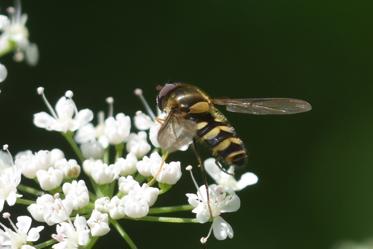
x=123, y=234
x=70, y=139
x=29, y=190
x=170, y=209
x=24, y=202
x=45, y=244
x=166, y=219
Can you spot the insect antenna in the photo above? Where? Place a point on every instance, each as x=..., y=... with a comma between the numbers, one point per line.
x=200, y=165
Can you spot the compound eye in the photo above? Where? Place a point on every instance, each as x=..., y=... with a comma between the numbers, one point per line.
x=163, y=93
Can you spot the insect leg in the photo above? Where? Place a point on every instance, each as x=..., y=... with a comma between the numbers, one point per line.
x=164, y=158
x=222, y=168
x=200, y=165
x=160, y=120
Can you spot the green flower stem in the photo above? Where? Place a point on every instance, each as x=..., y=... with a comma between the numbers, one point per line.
x=94, y=186
x=92, y=196
x=105, y=190
x=139, y=178
x=123, y=234
x=85, y=210
x=24, y=202
x=91, y=243
x=166, y=219
x=164, y=188
x=45, y=244
x=69, y=137
x=30, y=190
x=164, y=210
x=107, y=155
x=119, y=148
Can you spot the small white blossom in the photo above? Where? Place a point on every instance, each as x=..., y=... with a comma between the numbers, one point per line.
x=98, y=223
x=86, y=134
x=92, y=138
x=100, y=172
x=6, y=160
x=126, y=184
x=221, y=228
x=21, y=236
x=76, y=193
x=117, y=208
x=49, y=179
x=92, y=149
x=70, y=168
x=50, y=210
x=227, y=181
x=65, y=117
x=10, y=178
x=154, y=165
x=144, y=166
x=102, y=204
x=142, y=121
x=138, y=145
x=31, y=163
x=138, y=201
x=127, y=166
x=219, y=202
x=15, y=36
x=72, y=236
x=168, y=173
x=117, y=129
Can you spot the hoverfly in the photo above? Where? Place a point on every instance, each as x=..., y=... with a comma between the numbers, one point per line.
x=192, y=115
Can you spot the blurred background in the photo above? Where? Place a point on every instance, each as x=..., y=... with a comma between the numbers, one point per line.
x=315, y=169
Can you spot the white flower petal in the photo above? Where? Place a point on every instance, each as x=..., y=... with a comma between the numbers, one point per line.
x=2, y=204
x=246, y=179
x=84, y=117
x=231, y=204
x=32, y=54
x=138, y=145
x=92, y=149
x=99, y=223
x=44, y=120
x=12, y=198
x=65, y=108
x=4, y=21
x=153, y=134
x=3, y=72
x=142, y=121
x=212, y=168
x=23, y=224
x=34, y=233
x=221, y=229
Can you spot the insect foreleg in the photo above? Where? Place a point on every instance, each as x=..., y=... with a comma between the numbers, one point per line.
x=200, y=165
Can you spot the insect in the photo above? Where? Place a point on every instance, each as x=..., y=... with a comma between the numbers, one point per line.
x=192, y=115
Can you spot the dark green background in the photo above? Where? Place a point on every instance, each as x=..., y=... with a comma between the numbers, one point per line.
x=315, y=169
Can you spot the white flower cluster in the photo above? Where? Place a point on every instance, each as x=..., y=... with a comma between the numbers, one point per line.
x=121, y=185
x=15, y=37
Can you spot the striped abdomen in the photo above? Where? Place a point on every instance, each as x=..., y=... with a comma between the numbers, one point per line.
x=216, y=132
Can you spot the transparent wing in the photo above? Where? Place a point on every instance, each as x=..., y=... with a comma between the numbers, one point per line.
x=176, y=132
x=265, y=106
